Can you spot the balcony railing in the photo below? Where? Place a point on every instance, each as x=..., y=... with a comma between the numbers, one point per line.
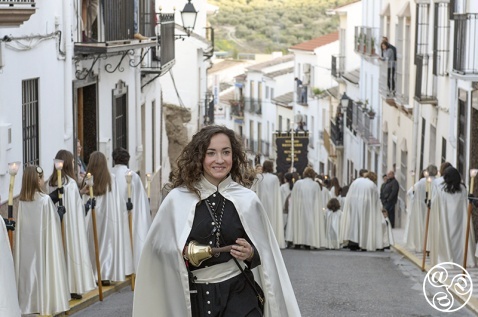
x=13, y=13
x=465, y=61
x=237, y=108
x=338, y=65
x=336, y=133
x=365, y=40
x=250, y=105
x=423, y=88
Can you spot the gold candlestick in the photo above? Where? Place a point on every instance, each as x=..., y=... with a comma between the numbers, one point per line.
x=473, y=173
x=12, y=170
x=129, y=177
x=148, y=184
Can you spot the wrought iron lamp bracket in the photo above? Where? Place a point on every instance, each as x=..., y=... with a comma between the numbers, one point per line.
x=131, y=62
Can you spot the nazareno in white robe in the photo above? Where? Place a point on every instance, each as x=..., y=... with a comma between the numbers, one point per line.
x=416, y=218
x=141, y=209
x=78, y=262
x=162, y=287
x=40, y=267
x=306, y=221
x=8, y=288
x=113, y=236
x=447, y=229
x=285, y=191
x=332, y=228
x=362, y=218
x=268, y=191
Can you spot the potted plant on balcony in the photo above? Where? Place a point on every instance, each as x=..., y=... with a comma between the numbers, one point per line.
x=318, y=92
x=371, y=113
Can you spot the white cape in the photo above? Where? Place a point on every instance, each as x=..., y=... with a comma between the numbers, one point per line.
x=113, y=236
x=362, y=218
x=8, y=288
x=447, y=229
x=78, y=262
x=141, y=209
x=268, y=191
x=332, y=225
x=162, y=288
x=39, y=258
x=285, y=191
x=306, y=221
x=416, y=218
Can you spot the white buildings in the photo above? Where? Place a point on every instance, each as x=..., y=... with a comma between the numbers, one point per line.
x=60, y=84
x=432, y=116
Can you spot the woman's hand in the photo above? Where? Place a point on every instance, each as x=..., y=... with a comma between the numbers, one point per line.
x=242, y=250
x=84, y=190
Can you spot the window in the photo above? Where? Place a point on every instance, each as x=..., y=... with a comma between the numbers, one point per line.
x=421, y=46
x=280, y=123
x=461, y=138
x=403, y=59
x=441, y=39
x=30, y=122
x=443, y=150
x=385, y=152
x=267, y=92
x=422, y=143
x=153, y=133
x=120, y=116
x=272, y=93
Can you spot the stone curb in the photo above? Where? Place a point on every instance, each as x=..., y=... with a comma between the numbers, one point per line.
x=92, y=297
x=472, y=303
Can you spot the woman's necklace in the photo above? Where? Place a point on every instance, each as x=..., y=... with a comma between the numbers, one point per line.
x=217, y=219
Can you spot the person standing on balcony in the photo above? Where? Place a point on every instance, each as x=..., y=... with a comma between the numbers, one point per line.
x=394, y=49
x=89, y=12
x=390, y=59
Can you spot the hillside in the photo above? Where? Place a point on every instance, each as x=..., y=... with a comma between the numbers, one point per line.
x=263, y=26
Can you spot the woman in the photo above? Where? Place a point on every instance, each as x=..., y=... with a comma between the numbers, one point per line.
x=40, y=266
x=111, y=224
x=448, y=221
x=286, y=190
x=390, y=59
x=80, y=270
x=209, y=205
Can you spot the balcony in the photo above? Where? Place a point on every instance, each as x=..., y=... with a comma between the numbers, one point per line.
x=465, y=61
x=252, y=105
x=365, y=40
x=14, y=13
x=237, y=108
x=423, y=84
x=338, y=66
x=329, y=146
x=336, y=133
x=112, y=30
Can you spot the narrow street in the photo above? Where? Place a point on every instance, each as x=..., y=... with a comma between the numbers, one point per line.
x=334, y=283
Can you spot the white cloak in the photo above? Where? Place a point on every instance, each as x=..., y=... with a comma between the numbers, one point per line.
x=332, y=225
x=78, y=262
x=362, y=218
x=388, y=239
x=8, y=288
x=141, y=209
x=268, y=191
x=113, y=236
x=306, y=221
x=40, y=267
x=162, y=287
x=447, y=231
x=285, y=191
x=416, y=218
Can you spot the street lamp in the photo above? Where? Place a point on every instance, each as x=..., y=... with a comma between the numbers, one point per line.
x=189, y=15
x=344, y=101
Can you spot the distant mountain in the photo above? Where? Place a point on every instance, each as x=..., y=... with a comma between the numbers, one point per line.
x=264, y=26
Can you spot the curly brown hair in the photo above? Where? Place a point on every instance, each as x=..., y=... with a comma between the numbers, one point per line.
x=190, y=162
x=333, y=204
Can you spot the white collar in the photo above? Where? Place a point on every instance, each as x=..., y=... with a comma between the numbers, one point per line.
x=207, y=189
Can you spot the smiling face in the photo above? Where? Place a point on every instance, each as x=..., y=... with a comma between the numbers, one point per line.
x=218, y=160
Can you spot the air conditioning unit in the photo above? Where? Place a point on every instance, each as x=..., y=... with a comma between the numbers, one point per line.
x=306, y=68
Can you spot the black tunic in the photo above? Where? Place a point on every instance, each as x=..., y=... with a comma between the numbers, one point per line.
x=233, y=297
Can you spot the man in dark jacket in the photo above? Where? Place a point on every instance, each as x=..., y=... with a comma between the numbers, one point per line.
x=389, y=196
